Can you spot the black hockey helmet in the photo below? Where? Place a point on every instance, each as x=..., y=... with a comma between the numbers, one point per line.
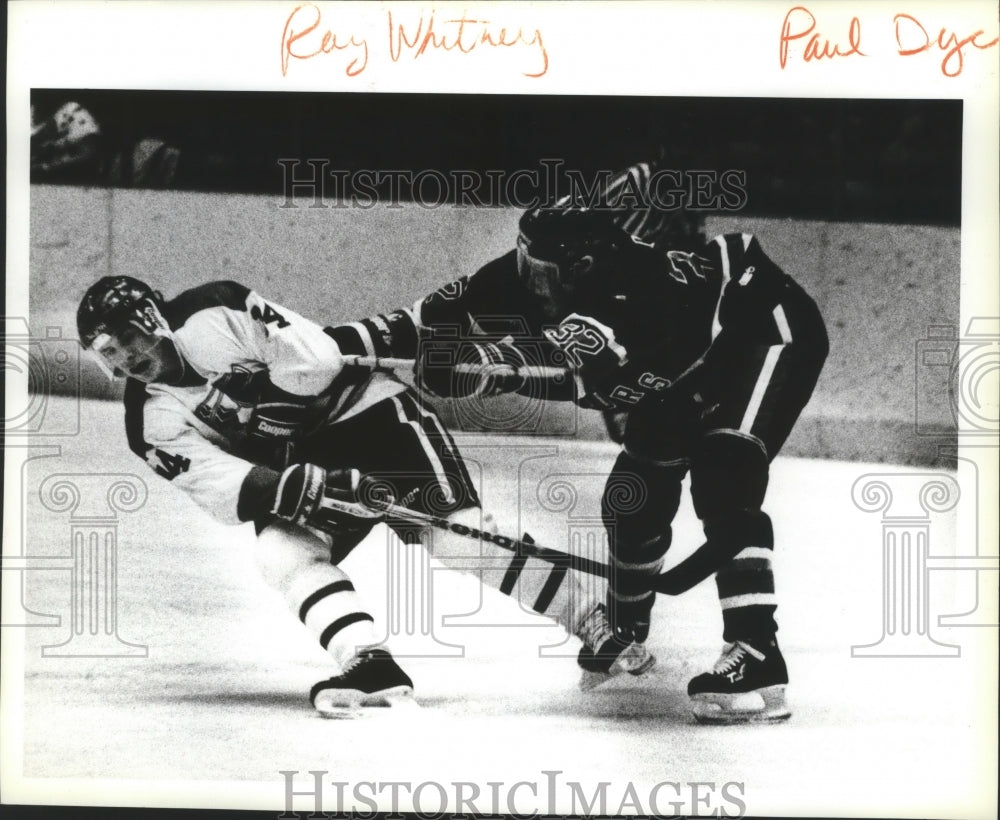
x=560, y=244
x=113, y=302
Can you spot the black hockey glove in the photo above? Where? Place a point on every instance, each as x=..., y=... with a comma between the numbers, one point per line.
x=272, y=431
x=327, y=500
x=460, y=368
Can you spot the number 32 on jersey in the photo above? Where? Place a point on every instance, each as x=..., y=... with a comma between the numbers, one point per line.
x=584, y=340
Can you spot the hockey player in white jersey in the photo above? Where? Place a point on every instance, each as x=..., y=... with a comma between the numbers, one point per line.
x=249, y=409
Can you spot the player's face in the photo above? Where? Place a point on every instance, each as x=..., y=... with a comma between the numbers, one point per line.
x=541, y=277
x=143, y=356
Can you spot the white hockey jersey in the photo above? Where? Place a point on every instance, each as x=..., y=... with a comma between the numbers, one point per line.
x=245, y=357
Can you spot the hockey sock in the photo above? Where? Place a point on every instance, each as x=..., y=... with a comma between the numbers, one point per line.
x=639, y=503
x=564, y=595
x=729, y=477
x=746, y=584
x=297, y=564
x=333, y=612
x=630, y=601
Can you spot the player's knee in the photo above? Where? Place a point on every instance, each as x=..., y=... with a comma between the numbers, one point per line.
x=284, y=550
x=640, y=501
x=729, y=472
x=741, y=528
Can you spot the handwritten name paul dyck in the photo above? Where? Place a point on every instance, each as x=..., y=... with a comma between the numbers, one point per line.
x=306, y=36
x=800, y=29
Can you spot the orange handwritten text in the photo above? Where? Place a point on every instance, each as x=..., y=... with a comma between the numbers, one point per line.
x=800, y=23
x=912, y=38
x=301, y=40
x=463, y=35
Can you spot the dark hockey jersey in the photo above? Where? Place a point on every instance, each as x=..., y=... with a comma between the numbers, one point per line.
x=661, y=310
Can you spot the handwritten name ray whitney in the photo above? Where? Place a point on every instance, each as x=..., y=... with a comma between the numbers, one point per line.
x=305, y=36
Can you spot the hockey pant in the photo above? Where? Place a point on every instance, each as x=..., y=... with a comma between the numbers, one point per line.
x=403, y=446
x=726, y=436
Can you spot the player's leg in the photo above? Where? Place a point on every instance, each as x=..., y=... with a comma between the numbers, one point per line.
x=432, y=478
x=447, y=490
x=759, y=395
x=640, y=500
x=296, y=563
x=729, y=475
x=570, y=598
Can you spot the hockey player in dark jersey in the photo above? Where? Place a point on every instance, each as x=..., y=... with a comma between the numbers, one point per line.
x=251, y=410
x=712, y=352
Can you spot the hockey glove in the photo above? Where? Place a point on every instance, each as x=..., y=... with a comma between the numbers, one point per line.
x=272, y=430
x=327, y=500
x=460, y=368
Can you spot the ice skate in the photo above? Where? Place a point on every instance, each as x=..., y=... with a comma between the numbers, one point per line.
x=373, y=679
x=607, y=653
x=746, y=685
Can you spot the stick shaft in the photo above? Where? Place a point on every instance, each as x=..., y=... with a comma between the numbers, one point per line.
x=708, y=559
x=389, y=363
x=704, y=561
x=386, y=362
x=515, y=545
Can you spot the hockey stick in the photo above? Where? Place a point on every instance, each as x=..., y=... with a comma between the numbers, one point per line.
x=704, y=561
x=530, y=371
x=522, y=547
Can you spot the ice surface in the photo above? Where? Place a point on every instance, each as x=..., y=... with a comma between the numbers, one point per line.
x=219, y=702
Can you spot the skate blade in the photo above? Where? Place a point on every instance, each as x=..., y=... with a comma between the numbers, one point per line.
x=635, y=661
x=734, y=718
x=403, y=701
x=641, y=664
x=765, y=705
x=357, y=705
x=591, y=680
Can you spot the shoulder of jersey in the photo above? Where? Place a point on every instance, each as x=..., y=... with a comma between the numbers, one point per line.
x=224, y=294
x=727, y=250
x=498, y=276
x=162, y=421
x=494, y=280
x=135, y=401
x=734, y=242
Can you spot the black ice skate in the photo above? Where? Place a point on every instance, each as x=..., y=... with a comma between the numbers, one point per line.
x=746, y=685
x=373, y=679
x=607, y=652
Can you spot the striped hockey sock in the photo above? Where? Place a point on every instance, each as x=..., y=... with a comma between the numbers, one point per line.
x=746, y=594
